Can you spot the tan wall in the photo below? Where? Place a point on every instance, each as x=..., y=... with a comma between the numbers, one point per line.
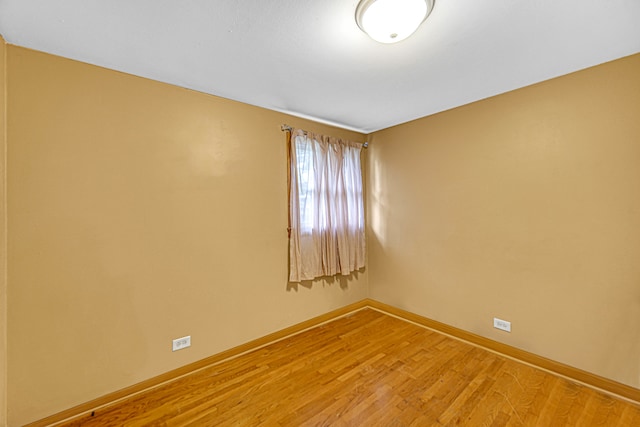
x=526, y=207
x=140, y=212
x=3, y=243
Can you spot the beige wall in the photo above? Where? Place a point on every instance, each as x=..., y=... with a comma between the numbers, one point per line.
x=526, y=207
x=140, y=212
x=3, y=243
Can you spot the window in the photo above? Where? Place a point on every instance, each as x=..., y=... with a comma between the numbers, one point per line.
x=326, y=207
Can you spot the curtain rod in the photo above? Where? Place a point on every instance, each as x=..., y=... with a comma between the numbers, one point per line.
x=287, y=128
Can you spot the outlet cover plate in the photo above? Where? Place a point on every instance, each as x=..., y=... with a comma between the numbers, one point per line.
x=501, y=324
x=180, y=343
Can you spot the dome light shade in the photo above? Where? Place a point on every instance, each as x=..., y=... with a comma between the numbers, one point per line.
x=390, y=21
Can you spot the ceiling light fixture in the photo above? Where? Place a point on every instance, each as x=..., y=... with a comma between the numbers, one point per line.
x=390, y=21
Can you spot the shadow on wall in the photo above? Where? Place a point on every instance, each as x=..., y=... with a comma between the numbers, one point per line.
x=342, y=281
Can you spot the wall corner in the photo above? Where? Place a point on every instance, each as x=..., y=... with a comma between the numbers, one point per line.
x=3, y=231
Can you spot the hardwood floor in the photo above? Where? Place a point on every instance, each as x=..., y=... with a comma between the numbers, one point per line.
x=368, y=369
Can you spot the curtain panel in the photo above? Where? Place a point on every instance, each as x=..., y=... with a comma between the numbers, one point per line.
x=326, y=207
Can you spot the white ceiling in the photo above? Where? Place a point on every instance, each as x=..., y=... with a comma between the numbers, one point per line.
x=308, y=57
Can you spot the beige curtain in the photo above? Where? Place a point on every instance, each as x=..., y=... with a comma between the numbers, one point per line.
x=326, y=207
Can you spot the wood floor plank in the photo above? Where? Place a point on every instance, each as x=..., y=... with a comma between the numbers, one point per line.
x=368, y=369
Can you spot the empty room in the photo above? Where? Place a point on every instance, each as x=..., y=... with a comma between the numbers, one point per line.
x=285, y=213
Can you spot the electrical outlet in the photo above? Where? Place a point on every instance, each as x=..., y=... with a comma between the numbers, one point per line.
x=180, y=343
x=501, y=324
